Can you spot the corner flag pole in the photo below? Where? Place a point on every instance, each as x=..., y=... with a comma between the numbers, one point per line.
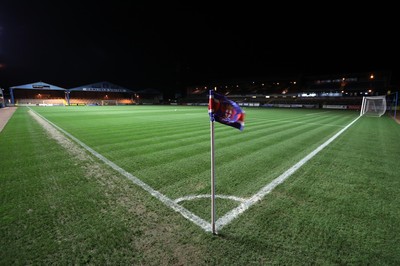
x=212, y=162
x=212, y=179
x=227, y=112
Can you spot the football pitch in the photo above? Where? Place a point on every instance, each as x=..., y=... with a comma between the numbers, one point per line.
x=131, y=185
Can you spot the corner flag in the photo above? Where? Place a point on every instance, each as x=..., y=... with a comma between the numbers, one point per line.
x=227, y=112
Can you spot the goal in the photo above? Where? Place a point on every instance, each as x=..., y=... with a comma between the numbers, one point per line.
x=373, y=105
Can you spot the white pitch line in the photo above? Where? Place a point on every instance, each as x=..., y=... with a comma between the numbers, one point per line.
x=233, y=214
x=228, y=217
x=206, y=226
x=193, y=197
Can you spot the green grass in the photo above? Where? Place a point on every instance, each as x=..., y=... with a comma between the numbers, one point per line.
x=339, y=208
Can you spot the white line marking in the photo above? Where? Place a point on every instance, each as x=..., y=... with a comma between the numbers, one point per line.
x=206, y=226
x=193, y=197
x=233, y=214
x=228, y=217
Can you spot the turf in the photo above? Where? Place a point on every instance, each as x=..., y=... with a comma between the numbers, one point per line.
x=339, y=208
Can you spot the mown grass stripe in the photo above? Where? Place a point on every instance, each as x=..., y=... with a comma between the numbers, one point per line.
x=233, y=214
x=157, y=166
x=167, y=201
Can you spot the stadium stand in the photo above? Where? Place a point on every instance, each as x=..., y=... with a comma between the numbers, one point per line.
x=44, y=94
x=100, y=93
x=339, y=91
x=38, y=93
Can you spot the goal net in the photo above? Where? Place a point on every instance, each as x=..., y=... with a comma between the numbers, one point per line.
x=373, y=105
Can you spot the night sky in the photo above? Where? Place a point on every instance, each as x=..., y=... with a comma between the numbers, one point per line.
x=143, y=44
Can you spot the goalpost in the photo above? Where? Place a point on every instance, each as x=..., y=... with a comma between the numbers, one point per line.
x=373, y=106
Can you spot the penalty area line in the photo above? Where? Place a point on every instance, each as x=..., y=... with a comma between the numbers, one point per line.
x=234, y=213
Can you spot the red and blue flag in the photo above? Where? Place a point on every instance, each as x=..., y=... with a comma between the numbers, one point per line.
x=225, y=111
